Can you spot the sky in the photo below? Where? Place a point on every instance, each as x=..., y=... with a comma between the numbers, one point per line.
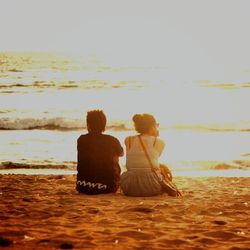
x=212, y=33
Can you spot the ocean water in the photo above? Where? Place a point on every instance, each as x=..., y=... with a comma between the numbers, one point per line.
x=44, y=98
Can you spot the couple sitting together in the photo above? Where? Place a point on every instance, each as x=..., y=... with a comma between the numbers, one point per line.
x=98, y=169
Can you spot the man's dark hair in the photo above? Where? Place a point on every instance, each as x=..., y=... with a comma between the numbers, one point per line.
x=96, y=121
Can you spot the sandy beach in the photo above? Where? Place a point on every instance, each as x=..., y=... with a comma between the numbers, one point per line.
x=45, y=212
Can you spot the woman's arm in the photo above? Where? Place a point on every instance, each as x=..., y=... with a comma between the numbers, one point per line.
x=159, y=146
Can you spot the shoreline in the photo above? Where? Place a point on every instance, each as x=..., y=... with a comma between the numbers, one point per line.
x=45, y=212
x=189, y=173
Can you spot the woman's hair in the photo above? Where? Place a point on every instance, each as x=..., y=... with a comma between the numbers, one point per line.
x=96, y=121
x=143, y=122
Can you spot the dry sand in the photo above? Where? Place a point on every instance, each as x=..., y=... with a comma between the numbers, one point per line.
x=45, y=212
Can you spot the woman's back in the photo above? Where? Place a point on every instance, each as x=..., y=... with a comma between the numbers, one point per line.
x=139, y=179
x=135, y=156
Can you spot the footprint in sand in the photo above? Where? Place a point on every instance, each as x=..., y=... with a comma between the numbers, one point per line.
x=137, y=209
x=138, y=235
x=221, y=235
x=93, y=210
x=27, y=199
x=207, y=241
x=66, y=246
x=4, y=242
x=173, y=242
x=219, y=222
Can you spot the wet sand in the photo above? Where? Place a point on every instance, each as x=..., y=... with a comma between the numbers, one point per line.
x=45, y=212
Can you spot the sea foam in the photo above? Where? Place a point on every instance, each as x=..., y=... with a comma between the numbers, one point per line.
x=56, y=123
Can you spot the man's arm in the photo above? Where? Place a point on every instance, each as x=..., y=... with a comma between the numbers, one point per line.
x=119, y=149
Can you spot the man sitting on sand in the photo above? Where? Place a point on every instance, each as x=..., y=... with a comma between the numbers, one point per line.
x=98, y=169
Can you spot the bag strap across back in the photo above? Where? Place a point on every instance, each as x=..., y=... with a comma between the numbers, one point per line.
x=169, y=184
x=146, y=153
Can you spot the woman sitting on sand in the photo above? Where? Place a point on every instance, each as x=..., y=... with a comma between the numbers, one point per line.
x=98, y=169
x=139, y=179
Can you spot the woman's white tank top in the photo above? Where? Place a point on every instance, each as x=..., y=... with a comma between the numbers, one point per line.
x=135, y=156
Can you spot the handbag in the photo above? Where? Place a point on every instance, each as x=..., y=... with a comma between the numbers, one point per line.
x=166, y=184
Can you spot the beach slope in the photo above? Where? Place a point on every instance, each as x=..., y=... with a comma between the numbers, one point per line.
x=45, y=212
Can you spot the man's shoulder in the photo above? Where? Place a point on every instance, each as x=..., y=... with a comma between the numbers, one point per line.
x=110, y=137
x=102, y=137
x=82, y=137
x=112, y=140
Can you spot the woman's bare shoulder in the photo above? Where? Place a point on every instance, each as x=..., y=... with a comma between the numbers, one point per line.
x=129, y=139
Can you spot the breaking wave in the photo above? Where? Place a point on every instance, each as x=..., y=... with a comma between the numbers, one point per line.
x=57, y=123
x=64, y=123
x=16, y=165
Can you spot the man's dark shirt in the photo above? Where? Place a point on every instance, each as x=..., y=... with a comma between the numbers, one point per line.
x=97, y=162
